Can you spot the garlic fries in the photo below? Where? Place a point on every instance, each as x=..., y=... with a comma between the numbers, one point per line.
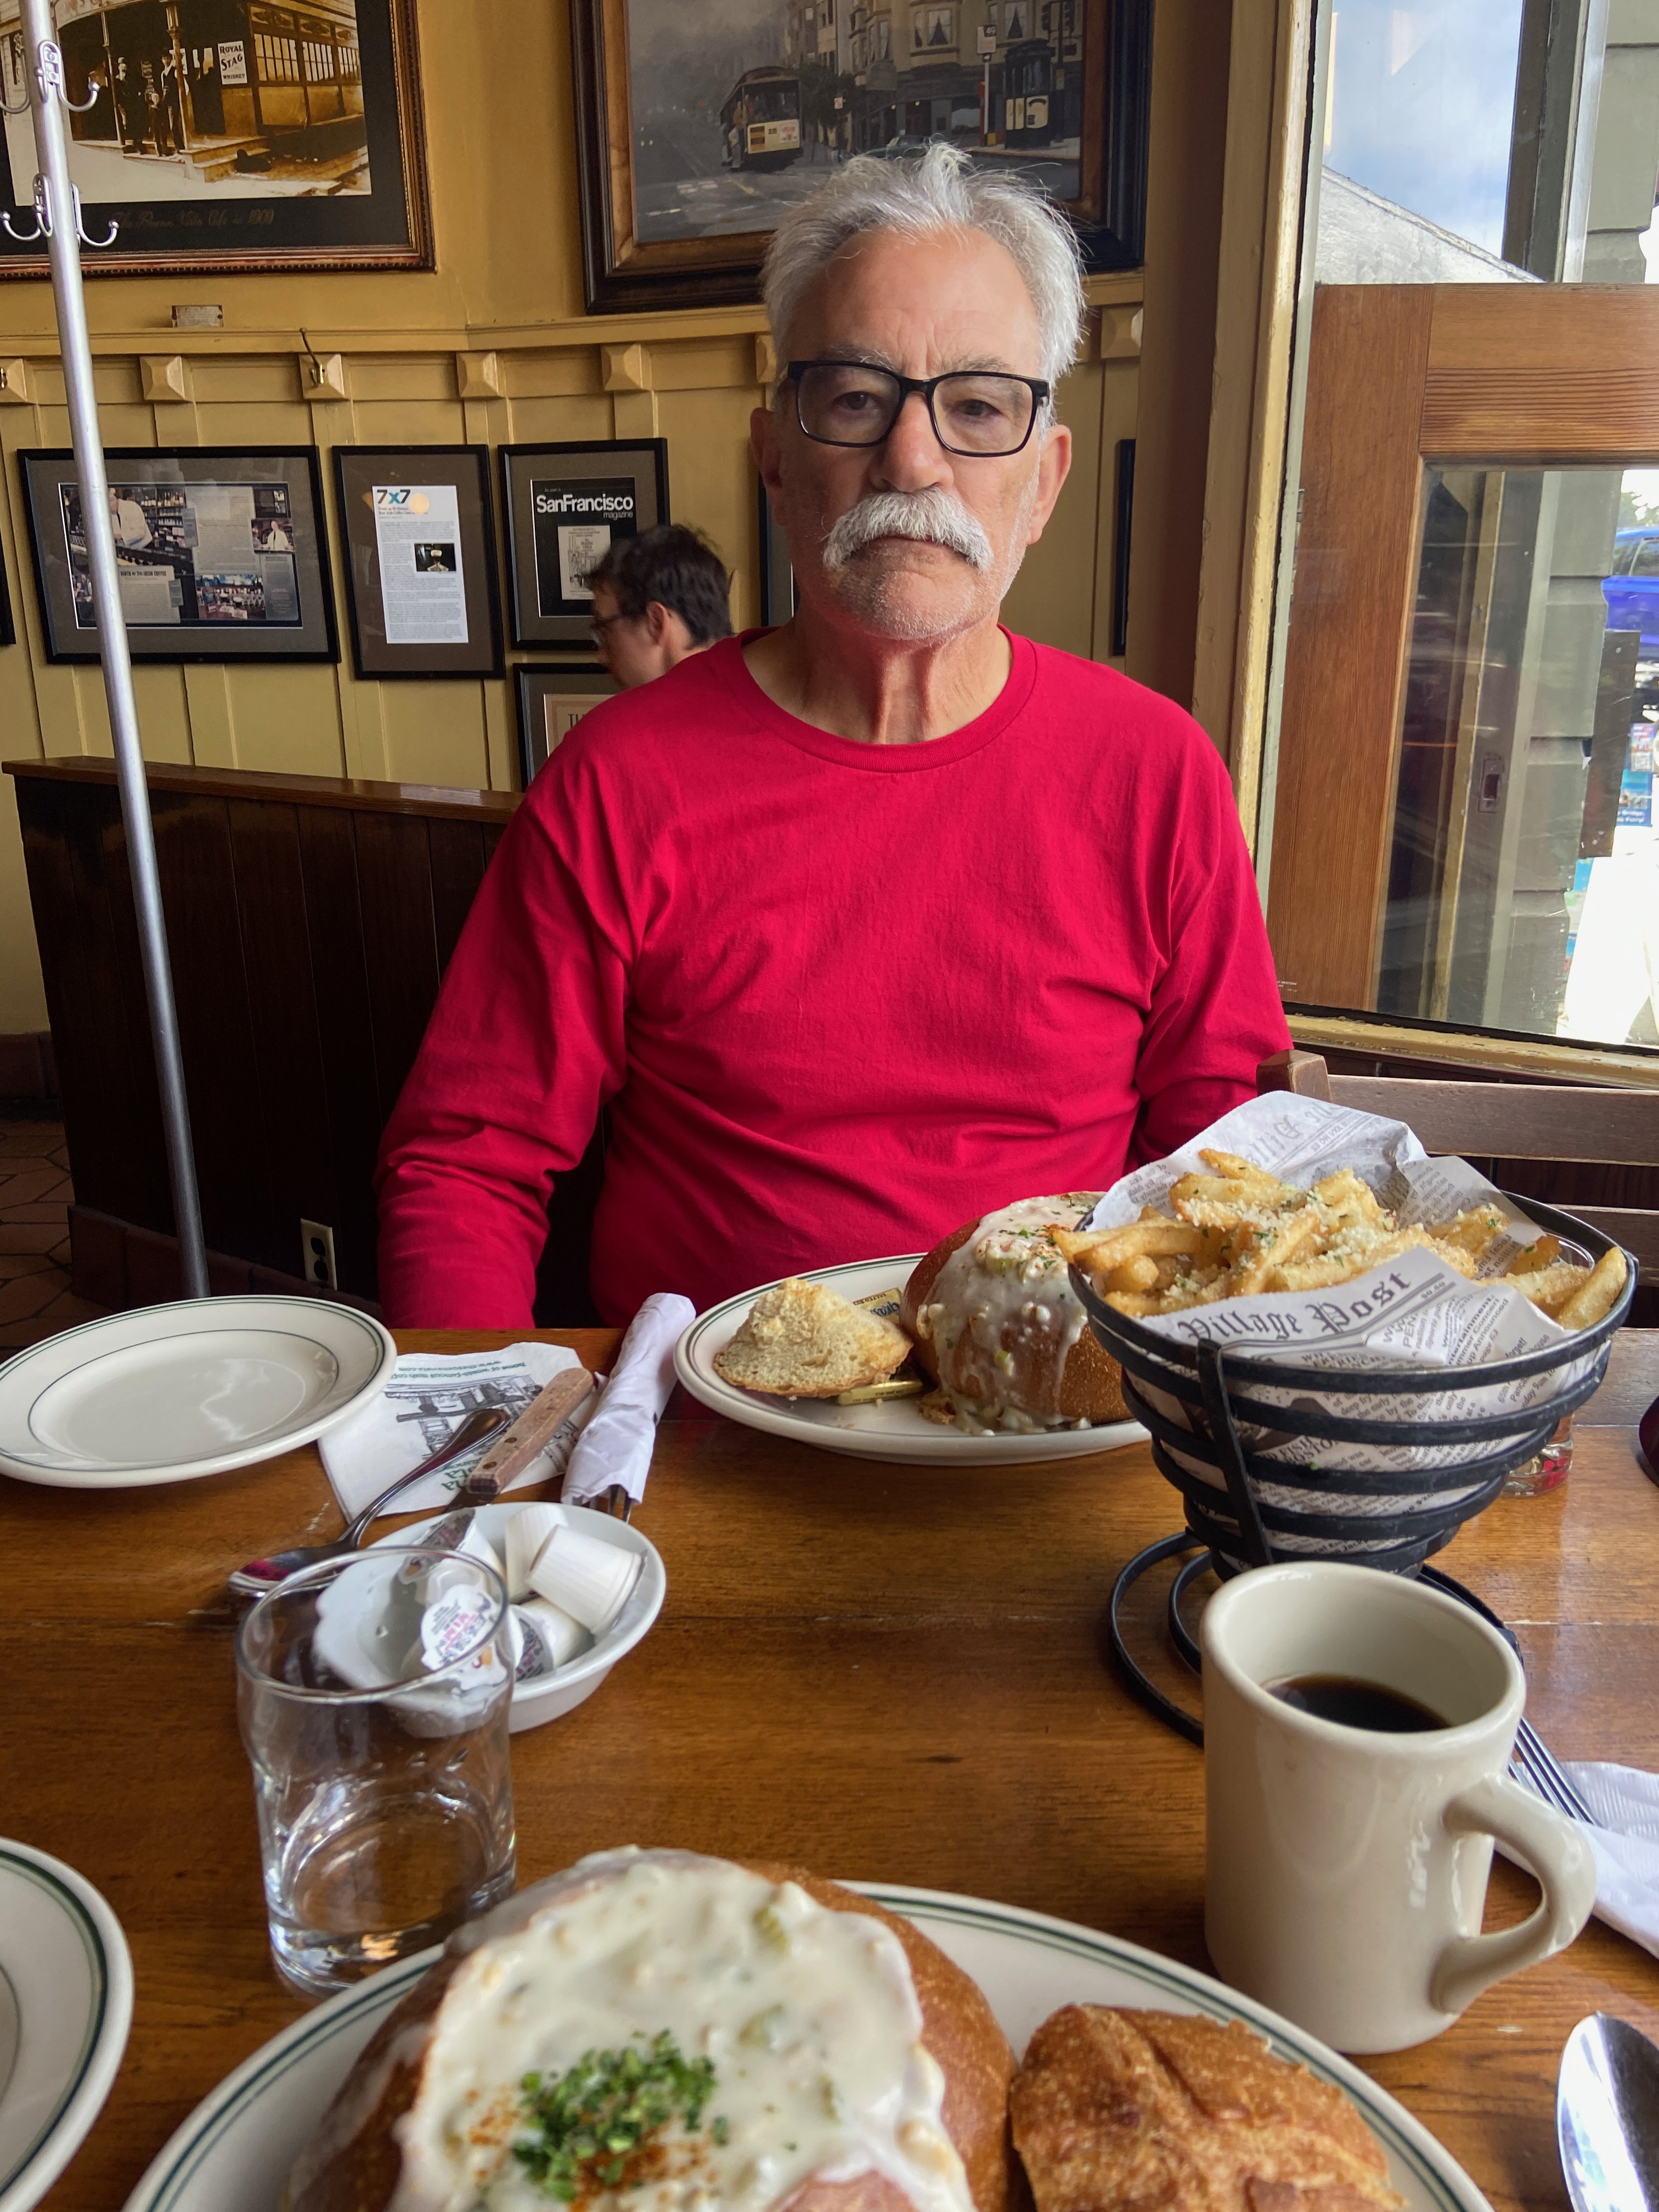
x=1238, y=1230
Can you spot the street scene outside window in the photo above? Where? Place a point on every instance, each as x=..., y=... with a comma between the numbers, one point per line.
x=738, y=111
x=1512, y=142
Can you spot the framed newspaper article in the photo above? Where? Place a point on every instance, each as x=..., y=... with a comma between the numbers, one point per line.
x=228, y=135
x=221, y=551
x=564, y=505
x=419, y=540
x=552, y=699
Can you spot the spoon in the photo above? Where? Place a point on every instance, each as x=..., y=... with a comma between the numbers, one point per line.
x=259, y=1575
x=1606, y=2117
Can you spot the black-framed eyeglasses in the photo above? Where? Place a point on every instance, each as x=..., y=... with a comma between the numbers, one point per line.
x=597, y=625
x=976, y=412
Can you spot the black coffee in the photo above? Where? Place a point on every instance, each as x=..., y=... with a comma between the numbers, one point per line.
x=1354, y=1703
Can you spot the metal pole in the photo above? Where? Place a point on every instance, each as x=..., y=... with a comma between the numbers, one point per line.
x=58, y=210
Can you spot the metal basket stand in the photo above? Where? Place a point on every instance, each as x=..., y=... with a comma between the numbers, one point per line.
x=1232, y=1528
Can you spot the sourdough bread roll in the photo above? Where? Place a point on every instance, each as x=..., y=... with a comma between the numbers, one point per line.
x=811, y=2031
x=1127, y=2108
x=999, y=1328
x=802, y=1340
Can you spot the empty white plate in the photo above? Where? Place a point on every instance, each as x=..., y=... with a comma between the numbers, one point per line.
x=176, y=1391
x=65, y=2008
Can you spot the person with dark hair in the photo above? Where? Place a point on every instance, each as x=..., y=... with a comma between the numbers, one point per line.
x=658, y=598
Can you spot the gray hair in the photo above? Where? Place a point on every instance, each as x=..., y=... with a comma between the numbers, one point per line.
x=940, y=190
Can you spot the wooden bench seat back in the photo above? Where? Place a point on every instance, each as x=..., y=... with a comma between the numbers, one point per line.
x=1505, y=1121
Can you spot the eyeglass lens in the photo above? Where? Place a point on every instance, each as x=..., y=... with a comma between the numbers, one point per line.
x=846, y=403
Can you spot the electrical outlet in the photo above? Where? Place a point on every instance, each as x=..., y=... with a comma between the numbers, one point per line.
x=317, y=1244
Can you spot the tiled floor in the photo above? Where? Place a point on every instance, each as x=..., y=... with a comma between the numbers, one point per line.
x=35, y=1297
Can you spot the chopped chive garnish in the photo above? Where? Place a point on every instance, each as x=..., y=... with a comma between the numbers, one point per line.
x=583, y=2130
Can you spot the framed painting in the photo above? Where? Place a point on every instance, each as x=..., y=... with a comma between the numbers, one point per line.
x=777, y=573
x=418, y=531
x=552, y=700
x=564, y=505
x=696, y=132
x=230, y=135
x=221, y=552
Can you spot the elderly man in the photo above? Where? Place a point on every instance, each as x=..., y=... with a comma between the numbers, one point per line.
x=868, y=924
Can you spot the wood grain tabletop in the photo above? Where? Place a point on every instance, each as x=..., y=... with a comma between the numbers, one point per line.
x=881, y=1672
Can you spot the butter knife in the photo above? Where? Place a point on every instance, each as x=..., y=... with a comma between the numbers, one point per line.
x=529, y=1436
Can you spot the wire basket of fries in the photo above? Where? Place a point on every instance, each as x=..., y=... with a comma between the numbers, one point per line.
x=1325, y=1373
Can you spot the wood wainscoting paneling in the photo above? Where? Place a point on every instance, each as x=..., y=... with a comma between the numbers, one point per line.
x=309, y=920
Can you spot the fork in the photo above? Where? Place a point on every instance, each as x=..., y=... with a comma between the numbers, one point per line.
x=1548, y=1779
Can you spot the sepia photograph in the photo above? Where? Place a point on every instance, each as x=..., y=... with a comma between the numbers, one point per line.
x=214, y=130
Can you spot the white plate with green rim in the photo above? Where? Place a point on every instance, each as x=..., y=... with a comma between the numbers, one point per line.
x=893, y=1430
x=173, y=1392
x=233, y=2152
x=65, y=2008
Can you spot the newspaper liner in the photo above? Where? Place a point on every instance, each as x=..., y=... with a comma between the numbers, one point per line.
x=1412, y=1312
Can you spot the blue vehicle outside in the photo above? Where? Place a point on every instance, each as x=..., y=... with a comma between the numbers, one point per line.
x=1632, y=589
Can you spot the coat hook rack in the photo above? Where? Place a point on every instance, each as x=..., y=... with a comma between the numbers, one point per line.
x=48, y=98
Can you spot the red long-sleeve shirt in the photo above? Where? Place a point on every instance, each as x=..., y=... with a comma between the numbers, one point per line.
x=839, y=997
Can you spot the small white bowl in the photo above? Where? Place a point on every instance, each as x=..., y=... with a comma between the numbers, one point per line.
x=547, y=1700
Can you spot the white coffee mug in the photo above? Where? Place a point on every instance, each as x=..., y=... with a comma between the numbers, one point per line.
x=1347, y=1867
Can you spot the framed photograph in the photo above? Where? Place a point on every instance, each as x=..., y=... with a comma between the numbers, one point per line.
x=777, y=574
x=552, y=700
x=696, y=131
x=221, y=553
x=564, y=505
x=230, y=135
x=419, y=534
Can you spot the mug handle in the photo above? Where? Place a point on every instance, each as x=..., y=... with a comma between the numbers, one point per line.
x=1552, y=1847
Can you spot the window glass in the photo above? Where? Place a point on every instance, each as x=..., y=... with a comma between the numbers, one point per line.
x=1485, y=142
x=1488, y=142
x=1524, y=882
x=1419, y=108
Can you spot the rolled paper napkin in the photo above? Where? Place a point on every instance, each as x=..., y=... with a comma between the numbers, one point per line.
x=615, y=1444
x=1625, y=1841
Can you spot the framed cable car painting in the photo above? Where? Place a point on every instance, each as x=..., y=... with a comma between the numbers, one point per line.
x=697, y=132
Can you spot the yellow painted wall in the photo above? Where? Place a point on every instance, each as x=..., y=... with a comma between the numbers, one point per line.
x=496, y=77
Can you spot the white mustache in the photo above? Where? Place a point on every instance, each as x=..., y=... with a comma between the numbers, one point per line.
x=932, y=515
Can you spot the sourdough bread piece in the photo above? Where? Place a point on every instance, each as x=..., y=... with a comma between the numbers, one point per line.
x=802, y=1340
x=1136, y=2110
x=997, y=1327
x=354, y=2164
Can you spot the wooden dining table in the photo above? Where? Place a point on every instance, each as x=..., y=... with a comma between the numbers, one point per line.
x=885, y=1672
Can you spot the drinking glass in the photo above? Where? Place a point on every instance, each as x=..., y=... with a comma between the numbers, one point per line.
x=1546, y=1470
x=373, y=1695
